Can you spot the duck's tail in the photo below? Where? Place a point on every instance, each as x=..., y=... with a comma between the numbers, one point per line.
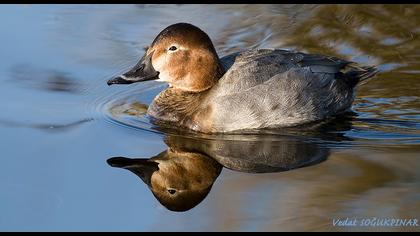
x=356, y=75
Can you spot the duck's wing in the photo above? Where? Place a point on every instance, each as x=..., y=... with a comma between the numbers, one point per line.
x=319, y=63
x=252, y=67
x=348, y=71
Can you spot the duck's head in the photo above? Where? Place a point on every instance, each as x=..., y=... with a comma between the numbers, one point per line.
x=181, y=55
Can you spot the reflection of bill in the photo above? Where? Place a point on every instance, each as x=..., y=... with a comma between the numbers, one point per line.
x=182, y=176
x=375, y=222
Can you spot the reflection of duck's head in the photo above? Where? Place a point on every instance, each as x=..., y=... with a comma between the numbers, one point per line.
x=179, y=180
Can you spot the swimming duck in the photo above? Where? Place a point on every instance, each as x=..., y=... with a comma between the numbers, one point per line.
x=251, y=89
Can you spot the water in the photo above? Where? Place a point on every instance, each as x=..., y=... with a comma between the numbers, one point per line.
x=60, y=124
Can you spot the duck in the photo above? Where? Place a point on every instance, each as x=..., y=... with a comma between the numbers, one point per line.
x=250, y=89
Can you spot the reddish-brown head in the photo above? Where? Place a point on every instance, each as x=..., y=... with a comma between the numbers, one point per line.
x=181, y=55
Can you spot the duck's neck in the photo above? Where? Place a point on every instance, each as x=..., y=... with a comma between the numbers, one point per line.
x=201, y=78
x=177, y=106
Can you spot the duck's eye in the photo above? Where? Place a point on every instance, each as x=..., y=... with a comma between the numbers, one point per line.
x=172, y=48
x=172, y=191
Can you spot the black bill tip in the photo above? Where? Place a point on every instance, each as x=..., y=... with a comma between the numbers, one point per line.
x=119, y=161
x=118, y=80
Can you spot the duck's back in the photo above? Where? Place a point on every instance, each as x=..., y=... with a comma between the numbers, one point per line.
x=273, y=88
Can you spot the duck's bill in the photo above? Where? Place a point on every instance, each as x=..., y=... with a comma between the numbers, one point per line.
x=144, y=168
x=143, y=71
x=122, y=79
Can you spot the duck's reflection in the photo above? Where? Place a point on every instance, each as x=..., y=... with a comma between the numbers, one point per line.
x=182, y=176
x=178, y=179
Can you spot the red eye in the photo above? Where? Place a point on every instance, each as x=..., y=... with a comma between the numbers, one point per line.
x=173, y=48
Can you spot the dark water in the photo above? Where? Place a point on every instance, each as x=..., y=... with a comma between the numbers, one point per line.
x=60, y=124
